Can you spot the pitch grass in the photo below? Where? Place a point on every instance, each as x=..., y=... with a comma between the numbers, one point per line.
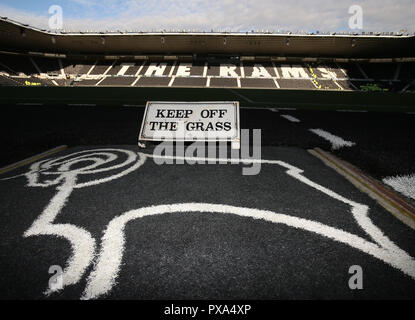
x=300, y=99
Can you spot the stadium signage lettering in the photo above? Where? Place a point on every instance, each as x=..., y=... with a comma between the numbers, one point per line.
x=190, y=121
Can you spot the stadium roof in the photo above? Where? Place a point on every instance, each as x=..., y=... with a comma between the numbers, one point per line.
x=20, y=37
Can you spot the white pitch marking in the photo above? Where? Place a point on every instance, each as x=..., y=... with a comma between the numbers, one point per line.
x=29, y=160
x=290, y=118
x=273, y=110
x=82, y=243
x=257, y=108
x=29, y=104
x=133, y=105
x=105, y=272
x=402, y=184
x=336, y=142
x=106, y=269
x=82, y=105
x=241, y=95
x=344, y=110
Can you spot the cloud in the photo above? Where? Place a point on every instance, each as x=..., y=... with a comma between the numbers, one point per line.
x=307, y=15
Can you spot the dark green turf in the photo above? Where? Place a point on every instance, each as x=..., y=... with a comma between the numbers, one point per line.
x=301, y=99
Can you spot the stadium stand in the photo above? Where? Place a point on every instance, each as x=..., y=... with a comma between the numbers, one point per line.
x=407, y=71
x=268, y=75
x=76, y=67
x=16, y=65
x=225, y=60
x=117, y=81
x=47, y=66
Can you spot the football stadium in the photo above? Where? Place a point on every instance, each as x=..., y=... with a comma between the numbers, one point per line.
x=292, y=176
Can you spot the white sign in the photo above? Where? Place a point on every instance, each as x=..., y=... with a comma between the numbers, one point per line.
x=190, y=121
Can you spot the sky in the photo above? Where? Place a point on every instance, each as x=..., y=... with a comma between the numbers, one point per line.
x=217, y=15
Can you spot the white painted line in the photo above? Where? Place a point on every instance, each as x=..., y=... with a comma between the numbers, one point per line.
x=402, y=184
x=256, y=108
x=29, y=104
x=26, y=161
x=337, y=84
x=342, y=70
x=90, y=70
x=172, y=81
x=205, y=69
x=135, y=81
x=287, y=109
x=55, y=83
x=242, y=70
x=351, y=110
x=241, y=95
x=133, y=105
x=137, y=74
x=290, y=118
x=62, y=71
x=108, y=264
x=407, y=86
x=410, y=112
x=314, y=84
x=273, y=110
x=336, y=142
x=82, y=105
x=276, y=70
x=238, y=80
x=99, y=82
x=172, y=69
x=276, y=83
x=208, y=82
x=65, y=180
x=109, y=68
x=109, y=260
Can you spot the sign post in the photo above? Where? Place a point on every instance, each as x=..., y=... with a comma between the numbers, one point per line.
x=191, y=121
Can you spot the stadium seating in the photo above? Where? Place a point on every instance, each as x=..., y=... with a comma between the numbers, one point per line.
x=22, y=70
